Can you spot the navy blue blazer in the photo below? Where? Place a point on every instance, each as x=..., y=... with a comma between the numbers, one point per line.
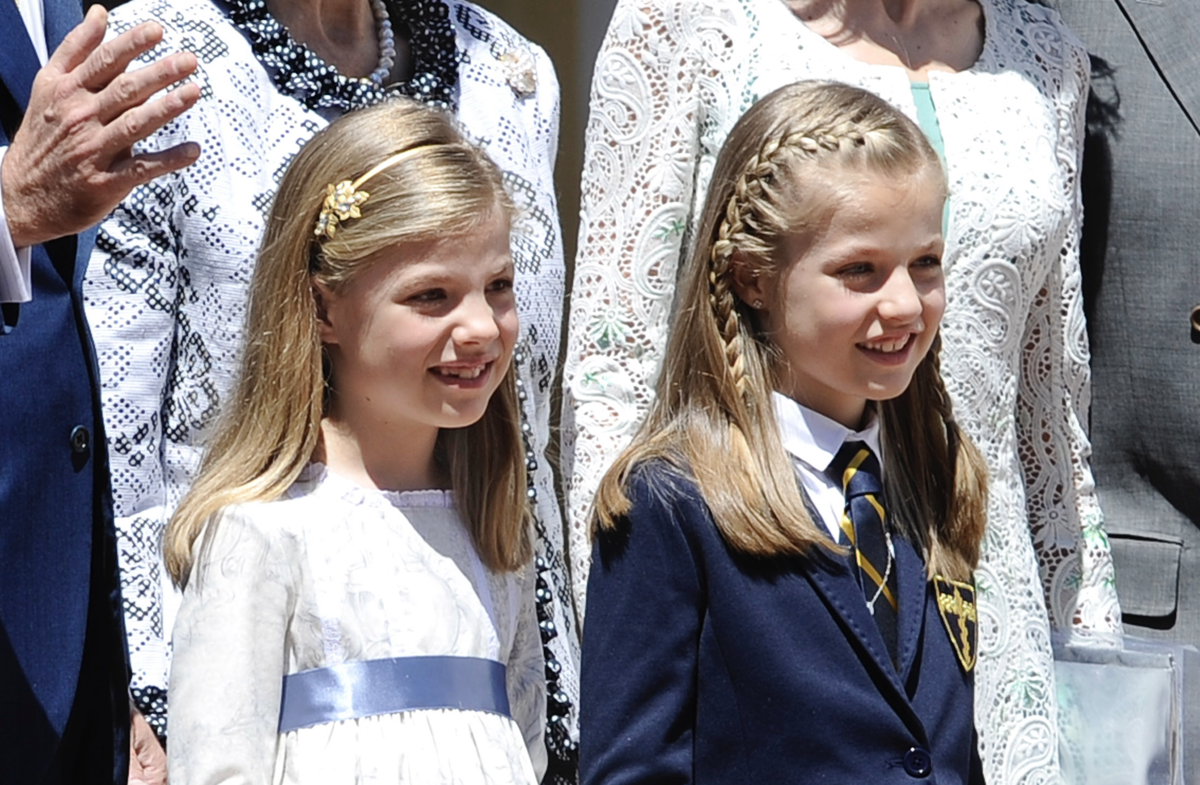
x=701, y=665
x=58, y=571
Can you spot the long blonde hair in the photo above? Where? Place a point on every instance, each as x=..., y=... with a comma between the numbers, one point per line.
x=713, y=418
x=270, y=426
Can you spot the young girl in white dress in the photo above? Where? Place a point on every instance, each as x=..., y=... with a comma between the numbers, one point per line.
x=358, y=595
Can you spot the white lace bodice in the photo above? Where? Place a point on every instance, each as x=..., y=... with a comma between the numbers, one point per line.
x=672, y=78
x=333, y=573
x=166, y=288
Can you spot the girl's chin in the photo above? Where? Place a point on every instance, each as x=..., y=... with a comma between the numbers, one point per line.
x=460, y=415
x=887, y=389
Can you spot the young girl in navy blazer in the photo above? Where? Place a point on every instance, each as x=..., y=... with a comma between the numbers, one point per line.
x=781, y=589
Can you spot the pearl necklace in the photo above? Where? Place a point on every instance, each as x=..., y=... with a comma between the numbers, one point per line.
x=387, y=43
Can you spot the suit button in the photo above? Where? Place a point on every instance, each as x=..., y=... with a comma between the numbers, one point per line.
x=918, y=763
x=1196, y=324
x=80, y=439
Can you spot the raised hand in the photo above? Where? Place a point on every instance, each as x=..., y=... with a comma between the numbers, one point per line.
x=72, y=161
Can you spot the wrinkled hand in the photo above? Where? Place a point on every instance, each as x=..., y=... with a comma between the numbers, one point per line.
x=71, y=161
x=147, y=760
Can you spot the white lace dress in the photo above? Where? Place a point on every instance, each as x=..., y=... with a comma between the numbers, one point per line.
x=166, y=288
x=672, y=78
x=333, y=573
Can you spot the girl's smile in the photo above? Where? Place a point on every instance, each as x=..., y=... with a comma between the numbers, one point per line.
x=855, y=310
x=892, y=351
x=468, y=375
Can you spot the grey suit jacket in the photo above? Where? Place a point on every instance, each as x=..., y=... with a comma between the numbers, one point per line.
x=1141, y=270
x=1141, y=279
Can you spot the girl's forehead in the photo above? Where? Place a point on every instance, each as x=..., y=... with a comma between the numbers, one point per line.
x=492, y=228
x=485, y=246
x=872, y=212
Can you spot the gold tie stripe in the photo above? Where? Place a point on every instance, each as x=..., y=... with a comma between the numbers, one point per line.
x=864, y=564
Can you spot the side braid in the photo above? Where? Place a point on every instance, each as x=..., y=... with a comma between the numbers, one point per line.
x=723, y=301
x=745, y=210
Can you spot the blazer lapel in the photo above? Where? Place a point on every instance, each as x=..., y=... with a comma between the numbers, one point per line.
x=18, y=58
x=832, y=579
x=1169, y=30
x=912, y=587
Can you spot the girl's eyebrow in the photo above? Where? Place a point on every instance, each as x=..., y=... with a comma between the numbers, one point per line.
x=853, y=249
x=421, y=280
x=431, y=274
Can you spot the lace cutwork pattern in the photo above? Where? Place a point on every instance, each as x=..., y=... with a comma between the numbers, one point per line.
x=166, y=287
x=671, y=80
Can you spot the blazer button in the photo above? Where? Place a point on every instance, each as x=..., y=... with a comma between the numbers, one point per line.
x=80, y=439
x=918, y=763
x=1196, y=324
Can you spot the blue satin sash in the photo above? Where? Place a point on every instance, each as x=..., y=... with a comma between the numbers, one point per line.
x=366, y=688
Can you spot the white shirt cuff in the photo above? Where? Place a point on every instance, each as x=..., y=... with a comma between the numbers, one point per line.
x=16, y=285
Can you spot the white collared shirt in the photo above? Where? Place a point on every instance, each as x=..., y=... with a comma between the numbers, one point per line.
x=813, y=440
x=15, y=284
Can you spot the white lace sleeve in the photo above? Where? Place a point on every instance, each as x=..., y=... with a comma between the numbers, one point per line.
x=641, y=151
x=1052, y=407
x=231, y=655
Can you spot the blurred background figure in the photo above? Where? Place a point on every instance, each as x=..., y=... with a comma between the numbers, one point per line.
x=65, y=161
x=1141, y=286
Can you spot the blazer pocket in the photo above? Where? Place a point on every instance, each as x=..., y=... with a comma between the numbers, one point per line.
x=1147, y=568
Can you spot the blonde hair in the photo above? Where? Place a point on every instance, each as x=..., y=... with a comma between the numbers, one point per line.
x=713, y=416
x=269, y=428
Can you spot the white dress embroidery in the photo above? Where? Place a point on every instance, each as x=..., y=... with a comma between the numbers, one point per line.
x=166, y=289
x=333, y=573
x=672, y=78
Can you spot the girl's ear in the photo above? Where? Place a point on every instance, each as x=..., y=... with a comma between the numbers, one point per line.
x=747, y=284
x=322, y=297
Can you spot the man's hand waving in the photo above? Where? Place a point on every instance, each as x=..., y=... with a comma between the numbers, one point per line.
x=72, y=161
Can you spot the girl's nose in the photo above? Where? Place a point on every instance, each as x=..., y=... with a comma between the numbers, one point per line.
x=900, y=300
x=476, y=321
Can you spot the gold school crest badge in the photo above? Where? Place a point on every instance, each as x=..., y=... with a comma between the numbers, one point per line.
x=956, y=604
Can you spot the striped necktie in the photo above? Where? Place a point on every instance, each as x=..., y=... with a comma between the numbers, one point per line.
x=855, y=469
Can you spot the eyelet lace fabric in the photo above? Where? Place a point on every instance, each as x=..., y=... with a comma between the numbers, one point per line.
x=166, y=288
x=672, y=78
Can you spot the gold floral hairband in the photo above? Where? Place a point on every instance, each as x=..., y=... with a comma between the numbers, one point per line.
x=342, y=201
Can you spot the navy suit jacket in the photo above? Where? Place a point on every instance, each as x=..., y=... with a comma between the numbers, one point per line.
x=58, y=578
x=705, y=666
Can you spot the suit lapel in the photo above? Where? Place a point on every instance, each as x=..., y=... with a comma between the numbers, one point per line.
x=18, y=59
x=912, y=587
x=61, y=17
x=1169, y=31
x=832, y=579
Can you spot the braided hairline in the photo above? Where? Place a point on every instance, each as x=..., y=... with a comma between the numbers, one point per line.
x=746, y=199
